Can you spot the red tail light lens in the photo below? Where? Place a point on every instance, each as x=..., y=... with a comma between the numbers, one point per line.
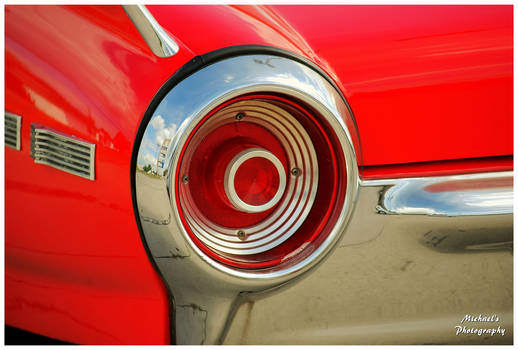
x=255, y=180
x=259, y=180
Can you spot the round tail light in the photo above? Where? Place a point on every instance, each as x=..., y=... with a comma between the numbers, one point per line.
x=259, y=181
x=245, y=178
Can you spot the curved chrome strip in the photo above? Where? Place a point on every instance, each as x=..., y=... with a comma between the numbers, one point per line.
x=460, y=206
x=155, y=36
x=458, y=195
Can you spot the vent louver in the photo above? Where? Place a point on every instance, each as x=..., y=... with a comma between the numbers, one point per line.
x=62, y=152
x=12, y=125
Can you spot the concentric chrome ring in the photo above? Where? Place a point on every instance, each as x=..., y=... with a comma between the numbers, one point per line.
x=232, y=169
x=294, y=202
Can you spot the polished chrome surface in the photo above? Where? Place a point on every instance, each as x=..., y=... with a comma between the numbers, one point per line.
x=459, y=195
x=155, y=36
x=300, y=191
x=13, y=126
x=63, y=152
x=408, y=269
x=230, y=174
x=206, y=293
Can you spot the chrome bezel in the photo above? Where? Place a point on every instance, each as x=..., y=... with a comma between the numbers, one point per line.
x=307, y=86
x=193, y=277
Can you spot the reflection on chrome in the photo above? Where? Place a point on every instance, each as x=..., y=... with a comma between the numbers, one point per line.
x=460, y=195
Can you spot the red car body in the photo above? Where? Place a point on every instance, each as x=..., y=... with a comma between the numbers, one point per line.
x=430, y=88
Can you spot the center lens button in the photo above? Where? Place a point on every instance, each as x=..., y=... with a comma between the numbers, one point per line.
x=255, y=180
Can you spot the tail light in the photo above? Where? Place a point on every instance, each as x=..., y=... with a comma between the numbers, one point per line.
x=245, y=178
x=258, y=181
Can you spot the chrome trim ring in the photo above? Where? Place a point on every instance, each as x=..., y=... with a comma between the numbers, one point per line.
x=230, y=173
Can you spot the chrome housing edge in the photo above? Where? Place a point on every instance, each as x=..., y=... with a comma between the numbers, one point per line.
x=205, y=292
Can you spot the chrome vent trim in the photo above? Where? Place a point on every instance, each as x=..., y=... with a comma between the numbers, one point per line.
x=12, y=129
x=62, y=152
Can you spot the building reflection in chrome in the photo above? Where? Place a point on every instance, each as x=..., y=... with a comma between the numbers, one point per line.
x=162, y=153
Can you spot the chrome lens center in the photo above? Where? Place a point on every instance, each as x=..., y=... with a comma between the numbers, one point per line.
x=273, y=186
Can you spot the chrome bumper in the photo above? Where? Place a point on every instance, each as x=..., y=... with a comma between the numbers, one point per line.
x=460, y=204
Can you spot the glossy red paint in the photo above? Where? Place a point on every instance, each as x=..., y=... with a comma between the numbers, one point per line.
x=424, y=84
x=448, y=167
x=76, y=269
